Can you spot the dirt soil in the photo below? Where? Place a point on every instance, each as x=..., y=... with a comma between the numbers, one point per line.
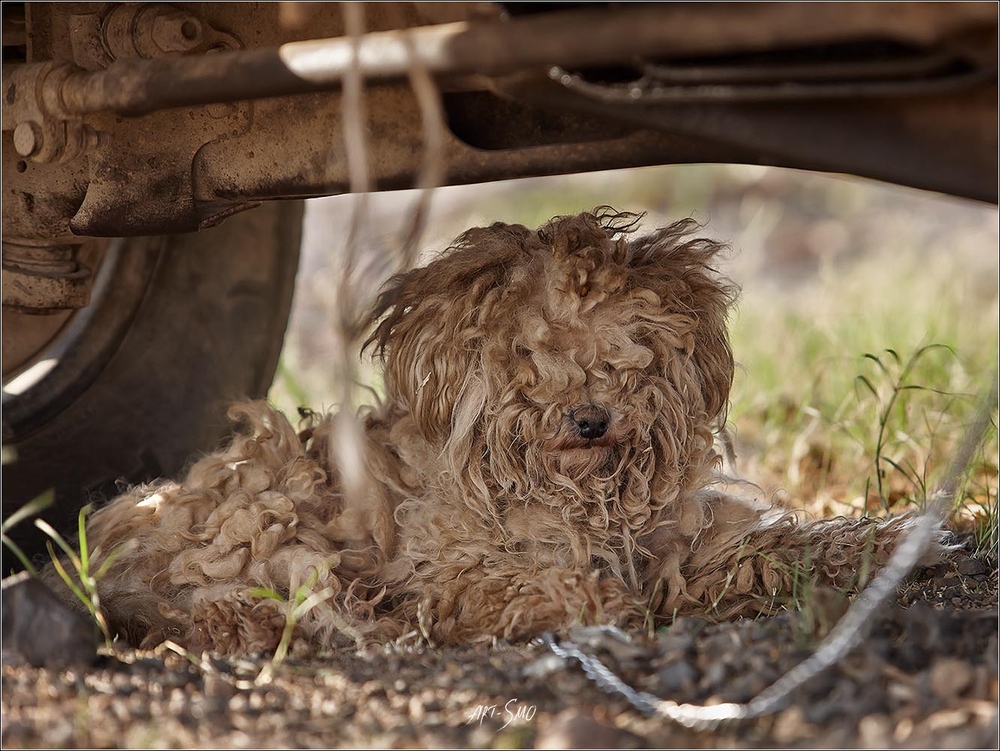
x=925, y=677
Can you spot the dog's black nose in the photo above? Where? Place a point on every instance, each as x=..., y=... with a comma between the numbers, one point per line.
x=591, y=421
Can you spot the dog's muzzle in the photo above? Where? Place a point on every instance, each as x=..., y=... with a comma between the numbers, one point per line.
x=591, y=421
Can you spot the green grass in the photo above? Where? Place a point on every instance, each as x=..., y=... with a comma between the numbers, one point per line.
x=82, y=576
x=302, y=598
x=76, y=565
x=855, y=402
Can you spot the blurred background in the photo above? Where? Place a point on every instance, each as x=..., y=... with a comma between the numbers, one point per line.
x=867, y=323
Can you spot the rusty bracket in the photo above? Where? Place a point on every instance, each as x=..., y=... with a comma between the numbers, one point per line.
x=44, y=131
x=137, y=177
x=43, y=278
x=150, y=31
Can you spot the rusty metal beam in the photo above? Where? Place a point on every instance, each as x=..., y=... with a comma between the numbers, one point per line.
x=568, y=39
x=177, y=170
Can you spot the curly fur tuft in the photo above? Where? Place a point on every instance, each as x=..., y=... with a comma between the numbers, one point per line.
x=543, y=456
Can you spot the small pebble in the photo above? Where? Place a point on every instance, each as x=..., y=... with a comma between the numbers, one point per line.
x=950, y=677
x=791, y=726
x=972, y=567
x=574, y=728
x=875, y=731
x=42, y=630
x=678, y=676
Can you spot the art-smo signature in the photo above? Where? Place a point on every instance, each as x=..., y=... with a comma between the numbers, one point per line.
x=511, y=712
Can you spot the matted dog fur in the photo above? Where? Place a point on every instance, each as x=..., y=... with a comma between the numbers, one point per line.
x=543, y=456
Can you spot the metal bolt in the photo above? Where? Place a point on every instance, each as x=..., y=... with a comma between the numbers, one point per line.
x=150, y=30
x=176, y=31
x=27, y=138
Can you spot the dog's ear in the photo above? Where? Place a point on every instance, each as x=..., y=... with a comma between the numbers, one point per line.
x=430, y=320
x=679, y=270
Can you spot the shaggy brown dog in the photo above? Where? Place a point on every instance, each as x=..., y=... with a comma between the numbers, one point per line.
x=543, y=456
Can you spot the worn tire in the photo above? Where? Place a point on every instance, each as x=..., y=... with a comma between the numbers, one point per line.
x=190, y=323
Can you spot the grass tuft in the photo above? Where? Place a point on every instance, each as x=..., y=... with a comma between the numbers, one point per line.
x=82, y=581
x=303, y=599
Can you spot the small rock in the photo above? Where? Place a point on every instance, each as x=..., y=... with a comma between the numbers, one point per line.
x=875, y=731
x=678, y=676
x=903, y=730
x=950, y=677
x=41, y=629
x=544, y=666
x=947, y=719
x=60, y=732
x=791, y=726
x=218, y=690
x=902, y=693
x=574, y=728
x=416, y=709
x=972, y=567
x=715, y=676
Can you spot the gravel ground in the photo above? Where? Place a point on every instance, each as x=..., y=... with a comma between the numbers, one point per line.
x=926, y=677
